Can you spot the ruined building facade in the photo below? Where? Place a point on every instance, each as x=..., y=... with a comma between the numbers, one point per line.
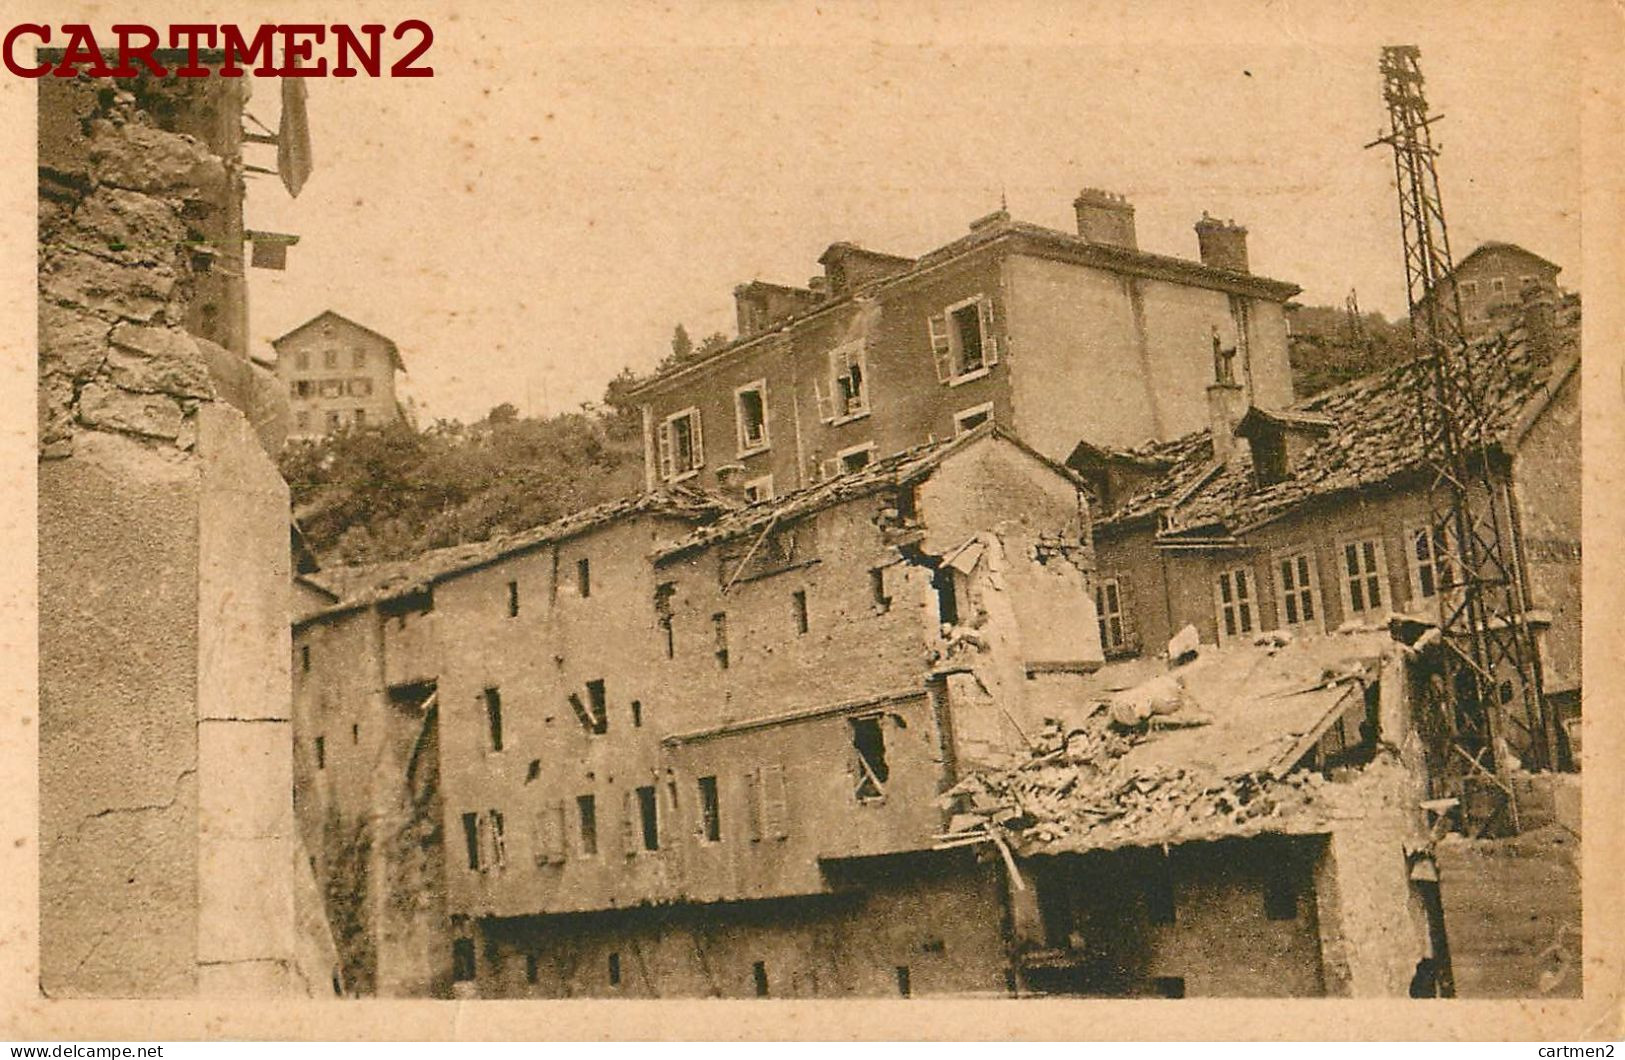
x=166, y=826
x=1022, y=325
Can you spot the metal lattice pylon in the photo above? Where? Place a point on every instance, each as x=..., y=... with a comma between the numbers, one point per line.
x=1486, y=698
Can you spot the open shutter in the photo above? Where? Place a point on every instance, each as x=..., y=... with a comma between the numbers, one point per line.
x=990, y=344
x=629, y=809
x=753, y=804
x=775, y=802
x=1125, y=603
x=826, y=409
x=941, y=347
x=699, y=438
x=663, y=444
x=482, y=830
x=1387, y=603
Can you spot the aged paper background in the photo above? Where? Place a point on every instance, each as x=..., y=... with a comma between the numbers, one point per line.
x=466, y=40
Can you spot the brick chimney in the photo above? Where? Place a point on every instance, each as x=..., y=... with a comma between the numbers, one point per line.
x=1105, y=218
x=1223, y=243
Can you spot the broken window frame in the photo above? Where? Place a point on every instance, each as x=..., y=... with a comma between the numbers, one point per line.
x=491, y=698
x=587, y=825
x=1296, y=576
x=874, y=773
x=844, y=458
x=843, y=394
x=947, y=341
x=799, y=612
x=666, y=444
x=749, y=446
x=1365, y=588
x=1235, y=602
x=647, y=799
x=710, y=806
x=1109, y=615
x=980, y=413
x=759, y=489
x=1434, y=572
x=498, y=840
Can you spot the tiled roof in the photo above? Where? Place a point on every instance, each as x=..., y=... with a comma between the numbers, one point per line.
x=1366, y=432
x=364, y=584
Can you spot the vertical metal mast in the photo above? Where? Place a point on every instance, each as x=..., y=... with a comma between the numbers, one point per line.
x=1488, y=697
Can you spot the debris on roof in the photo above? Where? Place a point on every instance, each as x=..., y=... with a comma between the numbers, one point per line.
x=1203, y=751
x=1366, y=436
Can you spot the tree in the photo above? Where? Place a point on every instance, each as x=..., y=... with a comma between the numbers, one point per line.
x=682, y=347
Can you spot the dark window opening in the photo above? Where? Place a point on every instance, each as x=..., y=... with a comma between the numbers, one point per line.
x=321, y=752
x=664, y=592
x=877, y=588
x=598, y=703
x=355, y=734
x=858, y=460
x=587, y=813
x=665, y=631
x=968, y=325
x=462, y=960
x=1159, y=894
x=513, y=599
x=583, y=578
x=530, y=967
x=499, y=856
x=1168, y=986
x=533, y=771
x=648, y=819
x=637, y=714
x=758, y=972
x=1280, y=897
x=719, y=627
x=471, y=839
x=493, y=717
x=614, y=969
x=752, y=419
x=798, y=604
x=710, y=810
x=869, y=740
x=1269, y=458
x=904, y=987
x=304, y=657
x=947, y=596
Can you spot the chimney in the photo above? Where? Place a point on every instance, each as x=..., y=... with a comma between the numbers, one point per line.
x=1226, y=403
x=1105, y=218
x=749, y=312
x=1223, y=243
x=731, y=482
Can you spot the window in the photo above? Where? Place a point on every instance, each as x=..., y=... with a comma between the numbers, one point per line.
x=358, y=359
x=335, y=420
x=759, y=489
x=869, y=741
x=499, y=851
x=332, y=388
x=302, y=419
x=361, y=388
x=587, y=819
x=664, y=593
x=583, y=578
x=302, y=359
x=719, y=630
x=598, y=701
x=681, y=445
x=646, y=817
x=877, y=589
x=513, y=599
x=471, y=839
x=1364, y=572
x=355, y=734
x=637, y=714
x=845, y=394
x=614, y=969
x=750, y=417
x=944, y=582
x=798, y=607
x=1297, y=591
x=462, y=960
x=304, y=657
x=767, y=802
x=962, y=341
x=1109, y=613
x=304, y=388
x=360, y=417
x=1498, y=286
x=493, y=717
x=321, y=752
x=1430, y=562
x=1234, y=593
x=710, y=811
x=972, y=418
x=758, y=973
x=330, y=358
x=1469, y=289
x=856, y=458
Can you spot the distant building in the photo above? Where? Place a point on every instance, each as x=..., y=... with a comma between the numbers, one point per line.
x=1493, y=279
x=338, y=374
x=1048, y=333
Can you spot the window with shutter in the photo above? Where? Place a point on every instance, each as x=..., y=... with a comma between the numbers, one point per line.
x=1109, y=614
x=682, y=445
x=990, y=343
x=499, y=852
x=826, y=408
x=775, y=802
x=942, y=350
x=963, y=342
x=848, y=381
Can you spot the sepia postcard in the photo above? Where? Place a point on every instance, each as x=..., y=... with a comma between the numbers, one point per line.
x=768, y=520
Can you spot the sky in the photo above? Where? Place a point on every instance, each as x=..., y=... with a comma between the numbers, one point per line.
x=564, y=190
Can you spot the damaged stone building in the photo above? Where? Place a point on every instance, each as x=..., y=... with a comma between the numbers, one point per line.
x=166, y=822
x=338, y=374
x=1013, y=322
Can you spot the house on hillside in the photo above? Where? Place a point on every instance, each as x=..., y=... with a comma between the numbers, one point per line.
x=338, y=374
x=1494, y=280
x=1048, y=333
